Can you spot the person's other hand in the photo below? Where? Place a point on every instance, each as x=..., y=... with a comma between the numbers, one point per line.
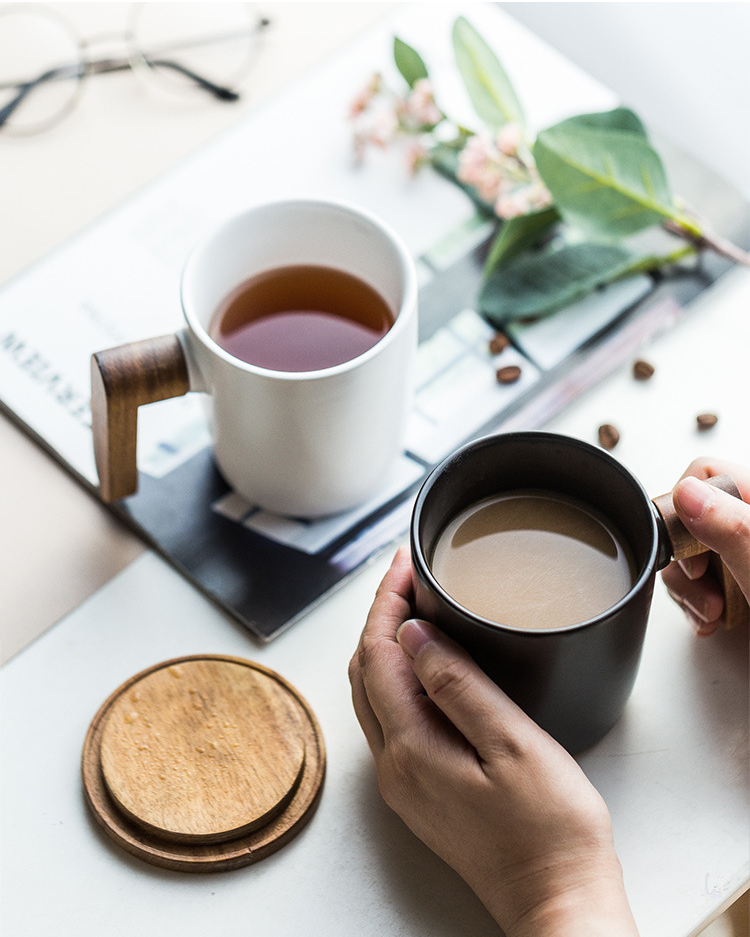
x=722, y=523
x=480, y=783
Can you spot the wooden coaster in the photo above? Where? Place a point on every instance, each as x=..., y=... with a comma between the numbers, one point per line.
x=203, y=763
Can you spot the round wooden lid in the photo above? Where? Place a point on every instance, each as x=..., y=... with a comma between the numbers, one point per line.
x=205, y=762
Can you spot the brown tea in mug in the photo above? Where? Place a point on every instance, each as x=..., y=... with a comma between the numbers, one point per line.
x=533, y=559
x=301, y=318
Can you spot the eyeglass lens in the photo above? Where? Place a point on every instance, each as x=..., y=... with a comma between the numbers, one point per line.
x=39, y=55
x=216, y=41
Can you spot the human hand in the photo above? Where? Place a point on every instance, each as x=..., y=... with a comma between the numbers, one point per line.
x=722, y=523
x=480, y=783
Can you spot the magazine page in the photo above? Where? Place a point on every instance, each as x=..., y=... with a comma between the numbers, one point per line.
x=119, y=281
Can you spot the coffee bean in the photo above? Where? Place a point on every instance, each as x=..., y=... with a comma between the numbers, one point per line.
x=706, y=421
x=509, y=374
x=608, y=436
x=642, y=370
x=499, y=342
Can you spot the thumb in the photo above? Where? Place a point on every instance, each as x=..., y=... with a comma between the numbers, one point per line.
x=719, y=521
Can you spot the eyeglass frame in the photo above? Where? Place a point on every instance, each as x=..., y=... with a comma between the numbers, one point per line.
x=84, y=67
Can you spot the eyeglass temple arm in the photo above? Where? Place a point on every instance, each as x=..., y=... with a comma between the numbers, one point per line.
x=105, y=66
x=221, y=92
x=26, y=87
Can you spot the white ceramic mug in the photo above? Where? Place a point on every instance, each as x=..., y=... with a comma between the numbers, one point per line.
x=305, y=443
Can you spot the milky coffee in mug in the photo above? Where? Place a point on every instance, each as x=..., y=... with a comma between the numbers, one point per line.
x=579, y=517
x=572, y=675
x=533, y=559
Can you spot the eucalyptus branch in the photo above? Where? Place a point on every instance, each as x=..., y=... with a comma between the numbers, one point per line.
x=656, y=261
x=708, y=240
x=597, y=175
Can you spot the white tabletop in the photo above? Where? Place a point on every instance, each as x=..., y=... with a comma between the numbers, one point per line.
x=673, y=771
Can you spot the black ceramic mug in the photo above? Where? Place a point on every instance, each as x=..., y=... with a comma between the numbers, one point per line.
x=574, y=680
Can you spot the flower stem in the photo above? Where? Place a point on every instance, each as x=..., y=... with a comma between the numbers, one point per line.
x=655, y=261
x=708, y=240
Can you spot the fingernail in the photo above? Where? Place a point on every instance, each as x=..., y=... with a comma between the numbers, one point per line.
x=691, y=496
x=692, y=614
x=399, y=555
x=414, y=636
x=697, y=616
x=704, y=628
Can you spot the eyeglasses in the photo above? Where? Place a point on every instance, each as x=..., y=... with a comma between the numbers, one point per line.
x=208, y=47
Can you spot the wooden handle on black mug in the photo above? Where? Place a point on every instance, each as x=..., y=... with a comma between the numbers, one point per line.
x=122, y=379
x=683, y=545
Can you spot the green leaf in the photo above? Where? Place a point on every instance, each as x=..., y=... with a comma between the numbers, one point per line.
x=409, y=62
x=490, y=90
x=621, y=118
x=539, y=283
x=518, y=234
x=609, y=182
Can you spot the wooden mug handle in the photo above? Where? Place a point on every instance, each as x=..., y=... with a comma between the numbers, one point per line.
x=122, y=379
x=683, y=545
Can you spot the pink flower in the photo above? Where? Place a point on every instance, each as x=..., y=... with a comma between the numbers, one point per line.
x=417, y=155
x=363, y=99
x=501, y=179
x=420, y=107
x=479, y=166
x=523, y=200
x=383, y=128
x=511, y=205
x=508, y=139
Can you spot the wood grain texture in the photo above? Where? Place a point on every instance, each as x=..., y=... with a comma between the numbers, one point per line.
x=123, y=379
x=684, y=545
x=736, y=609
x=204, y=750
x=171, y=821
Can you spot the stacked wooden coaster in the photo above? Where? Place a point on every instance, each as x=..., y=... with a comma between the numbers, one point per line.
x=203, y=763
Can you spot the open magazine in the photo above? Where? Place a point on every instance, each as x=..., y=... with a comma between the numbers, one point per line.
x=119, y=282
